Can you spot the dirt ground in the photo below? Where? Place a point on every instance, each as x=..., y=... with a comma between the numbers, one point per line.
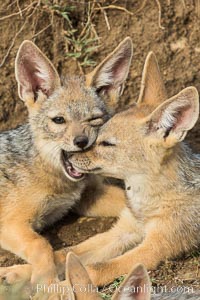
x=176, y=42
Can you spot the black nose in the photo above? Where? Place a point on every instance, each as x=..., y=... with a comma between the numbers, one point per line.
x=81, y=141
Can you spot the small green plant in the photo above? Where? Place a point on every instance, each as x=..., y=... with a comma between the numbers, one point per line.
x=105, y=296
x=64, y=11
x=107, y=292
x=195, y=254
x=83, y=48
x=83, y=42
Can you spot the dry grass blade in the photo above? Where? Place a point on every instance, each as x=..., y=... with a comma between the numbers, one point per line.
x=144, y=2
x=12, y=44
x=159, y=15
x=19, y=12
x=19, y=31
x=115, y=7
x=197, y=7
x=19, y=8
x=184, y=5
x=105, y=16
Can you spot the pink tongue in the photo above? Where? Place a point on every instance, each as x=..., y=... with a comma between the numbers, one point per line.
x=73, y=172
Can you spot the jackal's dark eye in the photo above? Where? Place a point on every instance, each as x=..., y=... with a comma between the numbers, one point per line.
x=106, y=144
x=58, y=120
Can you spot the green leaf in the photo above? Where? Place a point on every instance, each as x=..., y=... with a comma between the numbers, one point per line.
x=74, y=54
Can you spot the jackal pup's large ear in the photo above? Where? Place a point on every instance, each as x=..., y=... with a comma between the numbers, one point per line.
x=108, y=77
x=78, y=280
x=136, y=286
x=152, y=90
x=34, y=72
x=171, y=121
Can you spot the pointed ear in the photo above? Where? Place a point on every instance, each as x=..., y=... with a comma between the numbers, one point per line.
x=175, y=117
x=136, y=286
x=108, y=77
x=34, y=72
x=77, y=278
x=152, y=86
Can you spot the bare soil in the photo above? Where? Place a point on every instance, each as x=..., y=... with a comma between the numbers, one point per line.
x=177, y=47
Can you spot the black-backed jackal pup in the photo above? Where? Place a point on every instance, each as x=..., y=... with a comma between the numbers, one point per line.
x=37, y=183
x=143, y=146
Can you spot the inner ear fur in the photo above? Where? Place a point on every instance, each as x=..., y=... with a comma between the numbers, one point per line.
x=136, y=286
x=34, y=72
x=109, y=76
x=176, y=116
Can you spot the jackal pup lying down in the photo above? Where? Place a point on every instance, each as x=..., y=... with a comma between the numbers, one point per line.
x=143, y=146
x=37, y=184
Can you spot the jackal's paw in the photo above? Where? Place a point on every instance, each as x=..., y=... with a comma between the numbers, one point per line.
x=15, y=274
x=43, y=276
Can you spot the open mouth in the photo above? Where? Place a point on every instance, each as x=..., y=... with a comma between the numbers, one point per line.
x=73, y=174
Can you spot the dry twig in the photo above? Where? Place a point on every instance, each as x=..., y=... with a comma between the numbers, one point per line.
x=12, y=3
x=159, y=14
x=12, y=44
x=45, y=28
x=144, y=2
x=105, y=16
x=115, y=7
x=103, y=8
x=19, y=8
x=19, y=31
x=184, y=5
x=19, y=12
x=89, y=19
x=197, y=5
x=106, y=19
x=41, y=31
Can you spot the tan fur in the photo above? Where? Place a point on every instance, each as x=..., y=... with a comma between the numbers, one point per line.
x=143, y=146
x=100, y=199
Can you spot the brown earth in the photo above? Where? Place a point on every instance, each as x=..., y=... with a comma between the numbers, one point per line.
x=177, y=47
